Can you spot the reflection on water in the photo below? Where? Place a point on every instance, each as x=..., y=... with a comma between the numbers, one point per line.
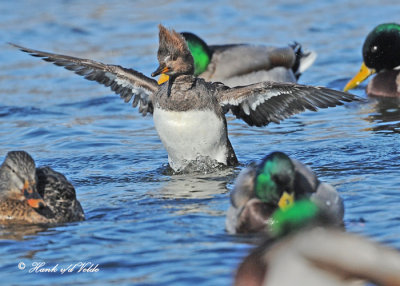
x=197, y=190
x=19, y=232
x=384, y=113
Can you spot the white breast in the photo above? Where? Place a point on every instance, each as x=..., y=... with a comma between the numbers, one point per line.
x=188, y=134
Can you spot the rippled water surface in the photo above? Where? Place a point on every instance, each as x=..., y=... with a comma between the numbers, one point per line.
x=144, y=225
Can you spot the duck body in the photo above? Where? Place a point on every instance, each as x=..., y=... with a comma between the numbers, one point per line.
x=380, y=57
x=190, y=122
x=189, y=113
x=244, y=64
x=385, y=84
x=248, y=213
x=59, y=195
x=44, y=197
x=320, y=256
x=307, y=248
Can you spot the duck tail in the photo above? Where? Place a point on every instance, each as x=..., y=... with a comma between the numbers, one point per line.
x=303, y=59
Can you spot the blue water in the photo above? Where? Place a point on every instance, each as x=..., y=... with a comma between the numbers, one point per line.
x=145, y=226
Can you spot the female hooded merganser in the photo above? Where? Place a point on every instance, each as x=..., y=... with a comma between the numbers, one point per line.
x=306, y=249
x=30, y=195
x=189, y=113
x=276, y=183
x=244, y=64
x=381, y=56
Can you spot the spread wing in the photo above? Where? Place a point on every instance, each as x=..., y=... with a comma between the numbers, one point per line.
x=261, y=103
x=127, y=83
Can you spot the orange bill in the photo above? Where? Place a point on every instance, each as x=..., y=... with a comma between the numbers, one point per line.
x=362, y=75
x=36, y=203
x=163, y=78
x=33, y=198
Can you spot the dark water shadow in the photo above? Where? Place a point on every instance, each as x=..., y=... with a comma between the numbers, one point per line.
x=384, y=115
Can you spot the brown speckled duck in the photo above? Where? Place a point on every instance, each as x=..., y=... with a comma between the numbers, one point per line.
x=381, y=56
x=30, y=195
x=189, y=112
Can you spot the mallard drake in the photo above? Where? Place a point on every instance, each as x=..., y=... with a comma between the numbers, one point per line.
x=188, y=112
x=275, y=183
x=30, y=195
x=381, y=56
x=307, y=250
x=244, y=64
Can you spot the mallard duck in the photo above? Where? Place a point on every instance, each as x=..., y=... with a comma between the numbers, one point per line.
x=189, y=112
x=276, y=183
x=30, y=195
x=307, y=250
x=381, y=56
x=244, y=64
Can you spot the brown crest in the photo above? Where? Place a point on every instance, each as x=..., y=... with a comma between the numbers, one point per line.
x=172, y=39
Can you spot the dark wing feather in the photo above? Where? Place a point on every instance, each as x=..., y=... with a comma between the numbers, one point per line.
x=59, y=195
x=261, y=103
x=127, y=83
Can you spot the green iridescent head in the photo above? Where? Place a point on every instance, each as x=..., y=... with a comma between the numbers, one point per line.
x=200, y=51
x=299, y=215
x=381, y=49
x=275, y=177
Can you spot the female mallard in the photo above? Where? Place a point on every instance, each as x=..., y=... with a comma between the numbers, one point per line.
x=244, y=64
x=30, y=195
x=275, y=183
x=381, y=56
x=307, y=250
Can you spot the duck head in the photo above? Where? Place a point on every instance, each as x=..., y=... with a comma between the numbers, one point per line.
x=18, y=179
x=173, y=55
x=380, y=52
x=272, y=188
x=274, y=181
x=200, y=51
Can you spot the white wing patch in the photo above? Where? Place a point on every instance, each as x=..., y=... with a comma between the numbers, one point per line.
x=254, y=101
x=144, y=93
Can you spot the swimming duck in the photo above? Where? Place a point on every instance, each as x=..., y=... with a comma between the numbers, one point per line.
x=276, y=183
x=188, y=112
x=381, y=56
x=307, y=250
x=244, y=64
x=30, y=195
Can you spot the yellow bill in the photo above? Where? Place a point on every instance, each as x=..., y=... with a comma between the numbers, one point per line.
x=163, y=78
x=286, y=200
x=362, y=75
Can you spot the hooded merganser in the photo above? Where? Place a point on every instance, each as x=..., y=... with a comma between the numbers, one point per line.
x=189, y=113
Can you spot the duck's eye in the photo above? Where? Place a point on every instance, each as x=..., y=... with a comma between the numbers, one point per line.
x=174, y=57
x=374, y=49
